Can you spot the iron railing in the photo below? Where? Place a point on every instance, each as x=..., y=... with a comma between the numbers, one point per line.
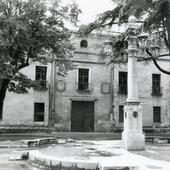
x=157, y=91
x=85, y=87
x=122, y=89
x=41, y=85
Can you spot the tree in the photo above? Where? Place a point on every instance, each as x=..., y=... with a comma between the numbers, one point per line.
x=28, y=31
x=155, y=15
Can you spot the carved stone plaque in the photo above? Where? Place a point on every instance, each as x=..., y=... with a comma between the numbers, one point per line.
x=60, y=86
x=135, y=114
x=105, y=88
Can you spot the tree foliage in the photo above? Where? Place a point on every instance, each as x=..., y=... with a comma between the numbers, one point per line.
x=154, y=15
x=29, y=30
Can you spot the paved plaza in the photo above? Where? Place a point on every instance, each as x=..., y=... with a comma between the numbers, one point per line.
x=105, y=154
x=88, y=154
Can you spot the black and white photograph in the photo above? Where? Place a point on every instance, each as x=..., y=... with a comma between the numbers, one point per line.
x=84, y=84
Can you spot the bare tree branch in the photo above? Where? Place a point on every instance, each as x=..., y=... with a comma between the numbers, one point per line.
x=156, y=64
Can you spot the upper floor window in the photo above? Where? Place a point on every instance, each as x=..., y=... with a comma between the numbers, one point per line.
x=83, y=44
x=41, y=72
x=40, y=75
x=1, y=111
x=156, y=84
x=123, y=82
x=83, y=79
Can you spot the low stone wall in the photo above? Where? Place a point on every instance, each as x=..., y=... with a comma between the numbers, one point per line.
x=23, y=129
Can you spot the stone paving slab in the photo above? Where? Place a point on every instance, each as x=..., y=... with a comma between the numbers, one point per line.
x=40, y=141
x=18, y=155
x=32, y=142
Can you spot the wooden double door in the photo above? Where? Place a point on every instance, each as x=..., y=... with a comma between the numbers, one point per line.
x=82, y=116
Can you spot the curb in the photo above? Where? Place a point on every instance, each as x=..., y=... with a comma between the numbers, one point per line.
x=46, y=163
x=35, y=142
x=39, y=161
x=40, y=142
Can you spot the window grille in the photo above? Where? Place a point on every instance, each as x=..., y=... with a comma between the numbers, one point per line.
x=157, y=114
x=123, y=83
x=39, y=112
x=83, y=79
x=156, y=82
x=121, y=114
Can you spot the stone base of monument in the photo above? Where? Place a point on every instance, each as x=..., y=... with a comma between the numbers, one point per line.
x=133, y=137
x=133, y=140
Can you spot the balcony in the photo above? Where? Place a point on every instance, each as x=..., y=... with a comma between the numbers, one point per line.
x=122, y=89
x=156, y=91
x=40, y=85
x=84, y=87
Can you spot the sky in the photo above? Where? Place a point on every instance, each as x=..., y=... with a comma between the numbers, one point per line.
x=90, y=8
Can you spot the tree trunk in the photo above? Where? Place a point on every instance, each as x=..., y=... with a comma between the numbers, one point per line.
x=3, y=87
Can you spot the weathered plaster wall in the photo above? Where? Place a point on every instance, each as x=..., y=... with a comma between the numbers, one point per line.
x=98, y=74
x=145, y=72
x=19, y=108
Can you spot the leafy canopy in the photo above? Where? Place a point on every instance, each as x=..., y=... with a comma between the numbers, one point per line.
x=154, y=14
x=30, y=30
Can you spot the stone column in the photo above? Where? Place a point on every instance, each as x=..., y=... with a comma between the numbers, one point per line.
x=132, y=71
x=132, y=137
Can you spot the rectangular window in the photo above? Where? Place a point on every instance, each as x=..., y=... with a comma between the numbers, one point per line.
x=122, y=82
x=83, y=79
x=121, y=114
x=40, y=76
x=39, y=109
x=157, y=114
x=156, y=84
x=1, y=103
x=1, y=111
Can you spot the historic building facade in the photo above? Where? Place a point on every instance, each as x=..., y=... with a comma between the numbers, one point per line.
x=91, y=97
x=29, y=109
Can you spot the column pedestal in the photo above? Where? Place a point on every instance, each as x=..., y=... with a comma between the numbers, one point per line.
x=133, y=137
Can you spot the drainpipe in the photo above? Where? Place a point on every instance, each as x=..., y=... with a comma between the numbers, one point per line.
x=52, y=92
x=112, y=93
x=49, y=105
x=53, y=85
